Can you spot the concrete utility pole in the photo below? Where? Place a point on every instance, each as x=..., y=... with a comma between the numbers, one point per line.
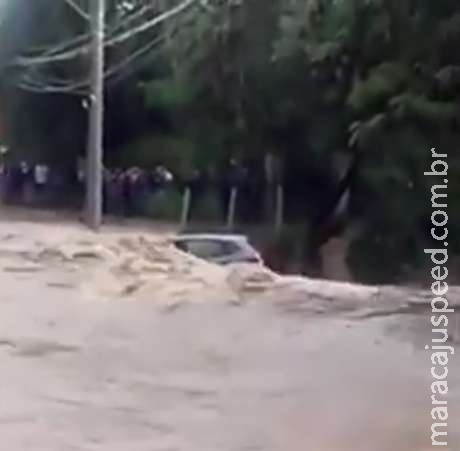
x=95, y=153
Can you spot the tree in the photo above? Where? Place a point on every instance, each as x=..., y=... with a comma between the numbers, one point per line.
x=381, y=61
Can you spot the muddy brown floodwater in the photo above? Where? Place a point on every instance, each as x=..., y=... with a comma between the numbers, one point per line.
x=111, y=374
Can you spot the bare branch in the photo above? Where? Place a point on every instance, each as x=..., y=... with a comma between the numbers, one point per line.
x=78, y=9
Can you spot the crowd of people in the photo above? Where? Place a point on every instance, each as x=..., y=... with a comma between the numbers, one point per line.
x=22, y=183
x=126, y=192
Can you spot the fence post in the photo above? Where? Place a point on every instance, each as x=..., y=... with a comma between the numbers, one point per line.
x=232, y=208
x=186, y=207
x=279, y=214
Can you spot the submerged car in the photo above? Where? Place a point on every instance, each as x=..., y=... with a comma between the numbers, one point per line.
x=218, y=248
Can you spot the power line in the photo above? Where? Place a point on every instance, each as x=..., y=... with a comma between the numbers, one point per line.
x=84, y=38
x=66, y=86
x=132, y=17
x=37, y=82
x=122, y=37
x=32, y=82
x=152, y=23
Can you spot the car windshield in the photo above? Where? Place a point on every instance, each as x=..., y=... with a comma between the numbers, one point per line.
x=205, y=248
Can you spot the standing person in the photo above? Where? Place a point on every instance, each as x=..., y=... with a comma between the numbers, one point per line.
x=3, y=182
x=26, y=183
x=142, y=192
x=118, y=187
x=153, y=181
x=139, y=191
x=112, y=198
x=128, y=192
x=80, y=175
x=106, y=177
x=195, y=184
x=13, y=184
x=115, y=188
x=41, y=177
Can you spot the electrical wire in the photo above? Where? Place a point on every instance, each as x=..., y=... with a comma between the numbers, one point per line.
x=112, y=75
x=111, y=41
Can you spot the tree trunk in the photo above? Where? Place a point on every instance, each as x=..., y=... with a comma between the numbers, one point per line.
x=324, y=225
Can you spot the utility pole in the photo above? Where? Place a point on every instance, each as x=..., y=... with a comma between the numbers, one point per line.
x=95, y=153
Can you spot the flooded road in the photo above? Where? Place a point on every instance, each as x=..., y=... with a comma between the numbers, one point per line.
x=125, y=375
x=118, y=376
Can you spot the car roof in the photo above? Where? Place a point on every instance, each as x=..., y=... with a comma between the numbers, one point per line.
x=210, y=236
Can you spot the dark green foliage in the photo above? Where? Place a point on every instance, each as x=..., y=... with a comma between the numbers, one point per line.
x=164, y=205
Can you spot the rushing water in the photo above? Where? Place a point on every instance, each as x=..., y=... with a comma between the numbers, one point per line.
x=83, y=372
x=118, y=376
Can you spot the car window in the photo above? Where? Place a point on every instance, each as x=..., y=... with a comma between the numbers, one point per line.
x=230, y=247
x=206, y=248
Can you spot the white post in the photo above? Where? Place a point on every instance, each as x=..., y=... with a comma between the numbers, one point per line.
x=232, y=208
x=186, y=207
x=96, y=117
